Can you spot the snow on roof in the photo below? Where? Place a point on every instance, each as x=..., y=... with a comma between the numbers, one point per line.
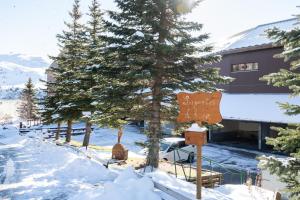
x=173, y=139
x=257, y=107
x=255, y=36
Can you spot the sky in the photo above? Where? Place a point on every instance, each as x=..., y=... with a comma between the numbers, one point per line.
x=30, y=26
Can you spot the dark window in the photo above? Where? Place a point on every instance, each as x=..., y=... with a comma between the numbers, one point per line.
x=244, y=67
x=181, y=144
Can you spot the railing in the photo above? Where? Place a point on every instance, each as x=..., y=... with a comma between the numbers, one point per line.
x=227, y=170
x=213, y=166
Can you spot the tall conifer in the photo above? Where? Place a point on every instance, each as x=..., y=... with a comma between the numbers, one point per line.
x=152, y=53
x=94, y=61
x=69, y=62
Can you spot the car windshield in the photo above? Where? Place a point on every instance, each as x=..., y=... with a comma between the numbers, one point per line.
x=163, y=146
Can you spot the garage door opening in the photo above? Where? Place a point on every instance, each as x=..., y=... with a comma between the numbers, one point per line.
x=237, y=134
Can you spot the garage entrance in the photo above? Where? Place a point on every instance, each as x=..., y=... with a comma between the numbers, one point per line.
x=241, y=134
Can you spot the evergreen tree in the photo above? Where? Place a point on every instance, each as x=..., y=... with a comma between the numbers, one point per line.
x=49, y=112
x=152, y=53
x=288, y=139
x=94, y=60
x=69, y=62
x=28, y=109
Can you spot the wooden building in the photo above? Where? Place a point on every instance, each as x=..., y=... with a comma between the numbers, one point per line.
x=249, y=106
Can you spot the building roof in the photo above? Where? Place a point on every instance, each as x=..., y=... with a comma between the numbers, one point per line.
x=254, y=37
x=172, y=140
x=257, y=107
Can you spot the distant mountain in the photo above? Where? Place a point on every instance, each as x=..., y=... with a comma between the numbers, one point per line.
x=25, y=60
x=16, y=69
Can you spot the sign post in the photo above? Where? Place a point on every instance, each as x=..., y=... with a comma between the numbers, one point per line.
x=199, y=171
x=199, y=107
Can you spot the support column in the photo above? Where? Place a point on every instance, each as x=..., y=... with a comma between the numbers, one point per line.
x=263, y=132
x=209, y=135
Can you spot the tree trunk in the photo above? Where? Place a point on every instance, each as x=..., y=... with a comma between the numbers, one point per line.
x=88, y=130
x=58, y=131
x=69, y=131
x=154, y=135
x=155, y=124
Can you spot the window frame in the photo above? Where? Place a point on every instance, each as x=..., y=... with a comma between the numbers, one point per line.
x=236, y=68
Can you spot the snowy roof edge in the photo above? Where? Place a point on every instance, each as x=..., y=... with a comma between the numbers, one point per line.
x=269, y=44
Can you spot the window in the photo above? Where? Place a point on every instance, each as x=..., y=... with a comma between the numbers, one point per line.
x=173, y=147
x=163, y=146
x=246, y=67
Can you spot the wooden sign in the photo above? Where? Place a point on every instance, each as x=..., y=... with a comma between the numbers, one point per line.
x=199, y=107
x=195, y=138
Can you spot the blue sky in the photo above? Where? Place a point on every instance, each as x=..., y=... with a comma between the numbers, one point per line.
x=30, y=26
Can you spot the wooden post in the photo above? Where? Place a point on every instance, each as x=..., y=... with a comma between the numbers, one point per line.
x=120, y=133
x=198, y=138
x=200, y=107
x=199, y=170
x=57, y=135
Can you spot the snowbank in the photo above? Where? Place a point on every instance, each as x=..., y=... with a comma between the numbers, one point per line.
x=45, y=170
x=127, y=186
x=224, y=192
x=35, y=169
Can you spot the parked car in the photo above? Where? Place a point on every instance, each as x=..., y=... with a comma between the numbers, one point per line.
x=175, y=147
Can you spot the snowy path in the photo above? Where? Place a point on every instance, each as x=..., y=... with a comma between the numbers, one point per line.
x=7, y=168
x=33, y=169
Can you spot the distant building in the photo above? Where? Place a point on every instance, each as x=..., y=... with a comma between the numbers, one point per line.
x=249, y=106
x=50, y=77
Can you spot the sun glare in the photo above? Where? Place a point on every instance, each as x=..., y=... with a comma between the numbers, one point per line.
x=184, y=6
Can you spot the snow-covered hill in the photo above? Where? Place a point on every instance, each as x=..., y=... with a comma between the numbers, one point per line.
x=16, y=69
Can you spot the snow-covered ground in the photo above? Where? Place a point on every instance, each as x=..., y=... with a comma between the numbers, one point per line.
x=8, y=110
x=33, y=168
x=107, y=138
x=224, y=192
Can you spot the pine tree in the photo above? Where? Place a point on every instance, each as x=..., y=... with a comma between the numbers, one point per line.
x=28, y=109
x=152, y=53
x=49, y=107
x=69, y=62
x=288, y=139
x=94, y=59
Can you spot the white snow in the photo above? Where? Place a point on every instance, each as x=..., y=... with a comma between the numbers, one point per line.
x=228, y=158
x=224, y=192
x=9, y=171
x=107, y=138
x=257, y=107
x=40, y=169
x=139, y=33
x=172, y=140
x=8, y=110
x=14, y=75
x=15, y=69
x=255, y=36
x=196, y=128
x=44, y=170
x=127, y=186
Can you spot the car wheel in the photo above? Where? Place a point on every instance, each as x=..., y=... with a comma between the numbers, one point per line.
x=191, y=158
